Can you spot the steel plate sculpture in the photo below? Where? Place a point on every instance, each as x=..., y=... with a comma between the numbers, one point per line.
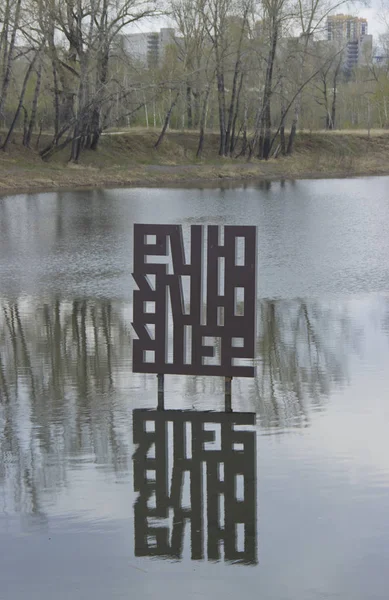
x=213, y=333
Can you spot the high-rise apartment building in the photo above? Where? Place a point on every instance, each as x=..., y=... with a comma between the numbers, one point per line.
x=345, y=28
x=351, y=33
x=147, y=47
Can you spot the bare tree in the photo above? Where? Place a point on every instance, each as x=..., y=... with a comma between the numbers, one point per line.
x=10, y=16
x=90, y=28
x=311, y=14
x=192, y=51
x=275, y=14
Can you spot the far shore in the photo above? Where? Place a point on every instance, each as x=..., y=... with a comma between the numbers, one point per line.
x=129, y=160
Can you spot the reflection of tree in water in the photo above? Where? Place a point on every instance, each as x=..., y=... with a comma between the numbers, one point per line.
x=65, y=365
x=383, y=310
x=57, y=373
x=302, y=351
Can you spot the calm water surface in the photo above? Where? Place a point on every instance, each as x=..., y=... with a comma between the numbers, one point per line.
x=314, y=481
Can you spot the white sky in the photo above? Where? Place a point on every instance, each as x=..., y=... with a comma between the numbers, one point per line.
x=373, y=13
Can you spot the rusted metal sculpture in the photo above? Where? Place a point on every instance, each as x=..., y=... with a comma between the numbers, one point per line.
x=214, y=332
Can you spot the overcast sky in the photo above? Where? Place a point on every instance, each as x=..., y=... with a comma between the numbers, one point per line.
x=373, y=13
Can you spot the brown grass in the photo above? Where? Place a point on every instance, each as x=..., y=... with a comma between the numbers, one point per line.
x=130, y=159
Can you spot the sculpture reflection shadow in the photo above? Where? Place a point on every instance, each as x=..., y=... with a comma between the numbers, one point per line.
x=197, y=469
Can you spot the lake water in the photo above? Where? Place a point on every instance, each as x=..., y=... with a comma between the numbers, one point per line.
x=313, y=423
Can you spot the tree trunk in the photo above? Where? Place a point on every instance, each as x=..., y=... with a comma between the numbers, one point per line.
x=9, y=59
x=48, y=150
x=292, y=136
x=196, y=109
x=261, y=135
x=189, y=106
x=267, y=136
x=232, y=105
x=368, y=118
x=334, y=97
x=20, y=104
x=38, y=139
x=94, y=130
x=55, y=100
x=233, y=142
x=202, y=123
x=282, y=140
x=222, y=114
x=146, y=111
x=325, y=99
x=167, y=121
x=245, y=125
x=34, y=108
x=25, y=123
x=4, y=33
x=282, y=126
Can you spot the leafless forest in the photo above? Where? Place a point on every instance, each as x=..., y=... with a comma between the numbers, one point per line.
x=255, y=72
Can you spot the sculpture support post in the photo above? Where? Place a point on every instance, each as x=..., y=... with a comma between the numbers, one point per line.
x=161, y=391
x=227, y=394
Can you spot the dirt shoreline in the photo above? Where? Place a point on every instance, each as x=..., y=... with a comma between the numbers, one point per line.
x=130, y=161
x=69, y=184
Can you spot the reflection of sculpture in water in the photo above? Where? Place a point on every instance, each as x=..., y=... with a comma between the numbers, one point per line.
x=221, y=465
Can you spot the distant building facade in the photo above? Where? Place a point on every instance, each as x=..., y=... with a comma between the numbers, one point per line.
x=147, y=47
x=352, y=34
x=344, y=28
x=359, y=52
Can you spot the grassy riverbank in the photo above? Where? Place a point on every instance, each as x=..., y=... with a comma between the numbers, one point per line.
x=130, y=159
